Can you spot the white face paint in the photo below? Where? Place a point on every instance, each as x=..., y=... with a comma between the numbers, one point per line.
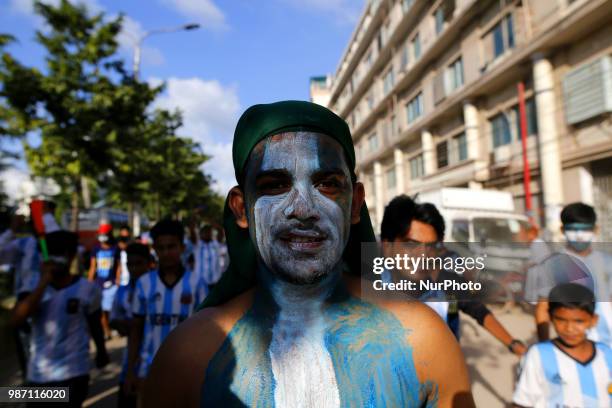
x=301, y=209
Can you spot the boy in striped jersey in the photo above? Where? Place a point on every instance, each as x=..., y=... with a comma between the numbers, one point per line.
x=206, y=256
x=163, y=298
x=571, y=370
x=139, y=262
x=65, y=311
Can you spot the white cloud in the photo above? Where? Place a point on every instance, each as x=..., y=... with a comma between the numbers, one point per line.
x=344, y=11
x=210, y=111
x=204, y=12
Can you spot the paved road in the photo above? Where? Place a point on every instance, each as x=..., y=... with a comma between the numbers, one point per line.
x=491, y=366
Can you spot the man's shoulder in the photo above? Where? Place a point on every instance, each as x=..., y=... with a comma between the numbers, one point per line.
x=181, y=362
x=147, y=278
x=419, y=319
x=205, y=331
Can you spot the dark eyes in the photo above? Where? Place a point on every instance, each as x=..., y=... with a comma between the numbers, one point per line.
x=274, y=187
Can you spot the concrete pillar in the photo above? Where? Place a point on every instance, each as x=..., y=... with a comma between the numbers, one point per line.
x=429, y=157
x=378, y=194
x=548, y=137
x=398, y=157
x=472, y=133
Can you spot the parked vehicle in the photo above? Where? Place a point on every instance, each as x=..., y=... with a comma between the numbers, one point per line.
x=485, y=223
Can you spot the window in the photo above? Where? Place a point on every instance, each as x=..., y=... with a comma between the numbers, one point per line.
x=532, y=118
x=461, y=230
x=406, y=4
x=510, y=30
x=503, y=35
x=414, y=108
x=405, y=57
x=439, y=19
x=370, y=100
x=454, y=76
x=368, y=60
x=391, y=179
x=416, y=46
x=388, y=81
x=460, y=147
x=394, y=129
x=373, y=142
x=500, y=129
x=442, y=154
x=417, y=168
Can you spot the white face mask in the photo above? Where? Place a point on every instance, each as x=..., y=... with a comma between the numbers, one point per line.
x=579, y=239
x=579, y=235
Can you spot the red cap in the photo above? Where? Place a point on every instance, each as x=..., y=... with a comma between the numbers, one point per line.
x=104, y=229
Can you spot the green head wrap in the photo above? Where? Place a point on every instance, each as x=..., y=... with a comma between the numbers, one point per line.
x=255, y=124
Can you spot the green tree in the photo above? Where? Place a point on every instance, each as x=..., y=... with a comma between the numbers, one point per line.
x=95, y=123
x=85, y=105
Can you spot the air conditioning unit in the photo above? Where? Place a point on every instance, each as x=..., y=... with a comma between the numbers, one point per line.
x=587, y=90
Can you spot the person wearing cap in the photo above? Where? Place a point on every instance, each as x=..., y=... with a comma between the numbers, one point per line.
x=104, y=270
x=286, y=324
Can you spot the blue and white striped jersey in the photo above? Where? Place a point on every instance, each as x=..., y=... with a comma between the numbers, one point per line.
x=122, y=304
x=122, y=310
x=207, y=262
x=59, y=345
x=26, y=262
x=551, y=378
x=163, y=308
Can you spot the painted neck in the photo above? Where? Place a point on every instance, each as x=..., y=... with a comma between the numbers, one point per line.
x=303, y=299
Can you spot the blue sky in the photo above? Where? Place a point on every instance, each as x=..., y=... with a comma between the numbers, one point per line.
x=247, y=52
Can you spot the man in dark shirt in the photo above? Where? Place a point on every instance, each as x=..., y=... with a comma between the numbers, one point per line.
x=422, y=226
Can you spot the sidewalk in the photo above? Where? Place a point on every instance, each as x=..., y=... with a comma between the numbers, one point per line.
x=491, y=366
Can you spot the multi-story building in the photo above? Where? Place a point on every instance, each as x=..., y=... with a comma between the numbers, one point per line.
x=430, y=91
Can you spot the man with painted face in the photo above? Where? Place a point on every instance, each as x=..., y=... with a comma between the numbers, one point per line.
x=286, y=326
x=579, y=263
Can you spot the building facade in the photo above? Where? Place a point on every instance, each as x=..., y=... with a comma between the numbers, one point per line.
x=430, y=92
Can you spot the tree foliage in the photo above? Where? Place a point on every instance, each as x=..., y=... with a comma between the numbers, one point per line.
x=94, y=118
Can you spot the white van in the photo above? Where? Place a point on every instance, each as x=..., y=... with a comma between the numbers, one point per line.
x=483, y=222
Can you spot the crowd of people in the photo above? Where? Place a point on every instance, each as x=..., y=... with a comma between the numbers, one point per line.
x=131, y=288
x=286, y=324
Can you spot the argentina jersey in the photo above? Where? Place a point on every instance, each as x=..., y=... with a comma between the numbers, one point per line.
x=27, y=264
x=59, y=344
x=207, y=261
x=163, y=308
x=122, y=310
x=105, y=263
x=551, y=378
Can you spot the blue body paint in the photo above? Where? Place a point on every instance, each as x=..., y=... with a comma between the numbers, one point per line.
x=372, y=360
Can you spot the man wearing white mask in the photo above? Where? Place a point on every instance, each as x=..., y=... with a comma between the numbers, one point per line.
x=578, y=262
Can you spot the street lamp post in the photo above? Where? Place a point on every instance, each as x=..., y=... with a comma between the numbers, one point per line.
x=134, y=216
x=139, y=41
